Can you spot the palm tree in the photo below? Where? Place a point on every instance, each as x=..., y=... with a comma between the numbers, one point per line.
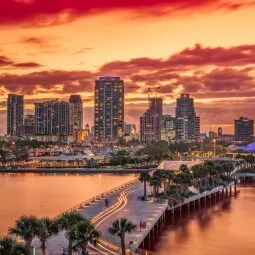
x=119, y=228
x=9, y=246
x=144, y=177
x=155, y=182
x=166, y=176
x=85, y=233
x=197, y=175
x=218, y=170
x=68, y=222
x=26, y=227
x=46, y=229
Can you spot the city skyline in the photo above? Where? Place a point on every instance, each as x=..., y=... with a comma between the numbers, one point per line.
x=109, y=94
x=204, y=48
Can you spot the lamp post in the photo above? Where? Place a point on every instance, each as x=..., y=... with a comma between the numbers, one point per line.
x=214, y=147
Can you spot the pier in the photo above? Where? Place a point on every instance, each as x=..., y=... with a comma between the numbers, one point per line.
x=149, y=216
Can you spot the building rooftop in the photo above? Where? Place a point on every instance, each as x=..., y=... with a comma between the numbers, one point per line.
x=109, y=78
x=75, y=99
x=175, y=165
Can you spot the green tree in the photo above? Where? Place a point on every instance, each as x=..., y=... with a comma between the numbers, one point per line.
x=68, y=222
x=9, y=246
x=27, y=228
x=155, y=151
x=120, y=228
x=183, y=168
x=85, y=233
x=122, y=157
x=166, y=176
x=197, y=171
x=3, y=156
x=144, y=178
x=46, y=229
x=155, y=182
x=218, y=170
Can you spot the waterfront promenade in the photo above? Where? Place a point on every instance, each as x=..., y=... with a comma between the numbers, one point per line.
x=124, y=202
x=90, y=208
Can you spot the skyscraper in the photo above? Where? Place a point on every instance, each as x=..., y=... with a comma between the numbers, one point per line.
x=150, y=121
x=156, y=105
x=29, y=125
x=188, y=124
x=77, y=111
x=109, y=109
x=129, y=129
x=197, y=127
x=15, y=114
x=244, y=130
x=168, y=128
x=54, y=118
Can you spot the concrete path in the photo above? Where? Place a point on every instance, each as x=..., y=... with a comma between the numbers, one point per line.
x=130, y=207
x=136, y=211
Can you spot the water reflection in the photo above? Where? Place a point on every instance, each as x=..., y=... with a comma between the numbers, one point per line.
x=225, y=228
x=49, y=194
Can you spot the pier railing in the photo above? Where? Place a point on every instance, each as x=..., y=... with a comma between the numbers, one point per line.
x=146, y=231
x=93, y=199
x=203, y=194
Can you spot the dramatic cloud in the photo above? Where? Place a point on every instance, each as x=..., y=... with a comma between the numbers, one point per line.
x=42, y=82
x=53, y=12
x=27, y=65
x=201, y=70
x=186, y=59
x=222, y=77
x=234, y=56
x=6, y=62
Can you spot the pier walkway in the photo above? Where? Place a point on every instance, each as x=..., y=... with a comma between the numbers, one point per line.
x=90, y=208
x=124, y=203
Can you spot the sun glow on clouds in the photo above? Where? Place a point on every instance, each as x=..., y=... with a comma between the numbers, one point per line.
x=204, y=48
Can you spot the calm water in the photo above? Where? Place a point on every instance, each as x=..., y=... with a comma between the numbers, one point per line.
x=48, y=195
x=225, y=229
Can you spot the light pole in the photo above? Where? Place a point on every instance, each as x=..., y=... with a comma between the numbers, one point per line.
x=214, y=147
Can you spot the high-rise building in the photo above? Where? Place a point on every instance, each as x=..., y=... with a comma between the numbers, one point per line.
x=29, y=125
x=168, y=128
x=15, y=114
x=244, y=130
x=150, y=121
x=188, y=124
x=130, y=129
x=150, y=127
x=156, y=105
x=109, y=109
x=197, y=127
x=54, y=118
x=77, y=111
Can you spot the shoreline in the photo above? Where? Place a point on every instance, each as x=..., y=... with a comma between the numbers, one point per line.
x=76, y=170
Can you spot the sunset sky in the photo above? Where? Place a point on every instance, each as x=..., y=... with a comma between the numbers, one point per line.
x=50, y=49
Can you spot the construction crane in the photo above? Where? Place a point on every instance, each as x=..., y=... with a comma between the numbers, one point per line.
x=150, y=87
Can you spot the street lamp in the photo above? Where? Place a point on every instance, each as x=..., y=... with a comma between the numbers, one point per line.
x=214, y=147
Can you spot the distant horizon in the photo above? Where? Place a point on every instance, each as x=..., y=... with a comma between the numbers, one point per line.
x=52, y=49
